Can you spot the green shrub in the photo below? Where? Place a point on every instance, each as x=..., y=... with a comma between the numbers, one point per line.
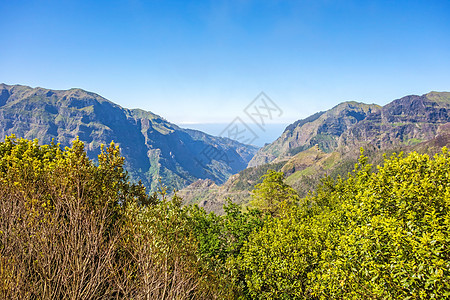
x=376, y=235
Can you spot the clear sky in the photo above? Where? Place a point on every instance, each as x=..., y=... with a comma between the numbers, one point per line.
x=205, y=61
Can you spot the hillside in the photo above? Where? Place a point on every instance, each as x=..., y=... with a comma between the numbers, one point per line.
x=328, y=143
x=323, y=129
x=409, y=120
x=153, y=147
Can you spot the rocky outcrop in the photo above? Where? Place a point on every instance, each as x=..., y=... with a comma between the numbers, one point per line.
x=408, y=121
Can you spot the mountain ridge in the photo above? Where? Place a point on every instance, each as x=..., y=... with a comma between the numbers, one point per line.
x=328, y=143
x=153, y=147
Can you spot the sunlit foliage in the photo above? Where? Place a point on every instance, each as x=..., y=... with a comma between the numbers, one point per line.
x=272, y=194
x=72, y=229
x=376, y=235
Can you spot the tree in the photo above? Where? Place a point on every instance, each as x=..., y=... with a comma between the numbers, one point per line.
x=72, y=229
x=270, y=195
x=220, y=240
x=394, y=232
x=60, y=219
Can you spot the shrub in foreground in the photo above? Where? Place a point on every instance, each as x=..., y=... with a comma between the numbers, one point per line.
x=72, y=229
x=382, y=234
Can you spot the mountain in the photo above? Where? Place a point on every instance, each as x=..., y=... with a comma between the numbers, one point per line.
x=323, y=129
x=409, y=120
x=328, y=143
x=153, y=147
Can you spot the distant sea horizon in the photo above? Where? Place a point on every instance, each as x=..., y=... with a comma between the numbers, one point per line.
x=271, y=131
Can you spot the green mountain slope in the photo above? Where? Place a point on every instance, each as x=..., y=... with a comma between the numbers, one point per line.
x=153, y=147
x=328, y=143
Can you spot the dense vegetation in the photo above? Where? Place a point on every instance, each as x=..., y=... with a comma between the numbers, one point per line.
x=376, y=235
x=72, y=229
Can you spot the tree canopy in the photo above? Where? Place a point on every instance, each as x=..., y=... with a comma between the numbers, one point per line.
x=270, y=195
x=382, y=234
x=71, y=228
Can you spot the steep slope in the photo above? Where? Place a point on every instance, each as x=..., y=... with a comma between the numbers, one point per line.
x=328, y=143
x=153, y=147
x=323, y=129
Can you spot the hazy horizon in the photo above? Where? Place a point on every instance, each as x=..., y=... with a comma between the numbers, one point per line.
x=271, y=133
x=205, y=61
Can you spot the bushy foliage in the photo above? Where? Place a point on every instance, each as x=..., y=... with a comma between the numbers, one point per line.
x=160, y=255
x=72, y=229
x=59, y=213
x=220, y=239
x=376, y=235
x=394, y=238
x=272, y=194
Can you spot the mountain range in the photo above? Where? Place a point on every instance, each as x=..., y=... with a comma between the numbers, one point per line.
x=328, y=143
x=208, y=169
x=154, y=149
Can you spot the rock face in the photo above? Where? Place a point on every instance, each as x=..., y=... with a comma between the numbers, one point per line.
x=153, y=147
x=409, y=120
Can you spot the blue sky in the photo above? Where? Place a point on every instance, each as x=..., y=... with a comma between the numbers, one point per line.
x=204, y=61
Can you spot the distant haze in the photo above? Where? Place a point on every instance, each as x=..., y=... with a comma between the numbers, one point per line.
x=205, y=61
x=271, y=133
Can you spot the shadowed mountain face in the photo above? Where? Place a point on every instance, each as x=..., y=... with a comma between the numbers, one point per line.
x=328, y=143
x=153, y=147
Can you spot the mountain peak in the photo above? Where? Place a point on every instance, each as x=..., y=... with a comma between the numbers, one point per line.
x=323, y=129
x=441, y=97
